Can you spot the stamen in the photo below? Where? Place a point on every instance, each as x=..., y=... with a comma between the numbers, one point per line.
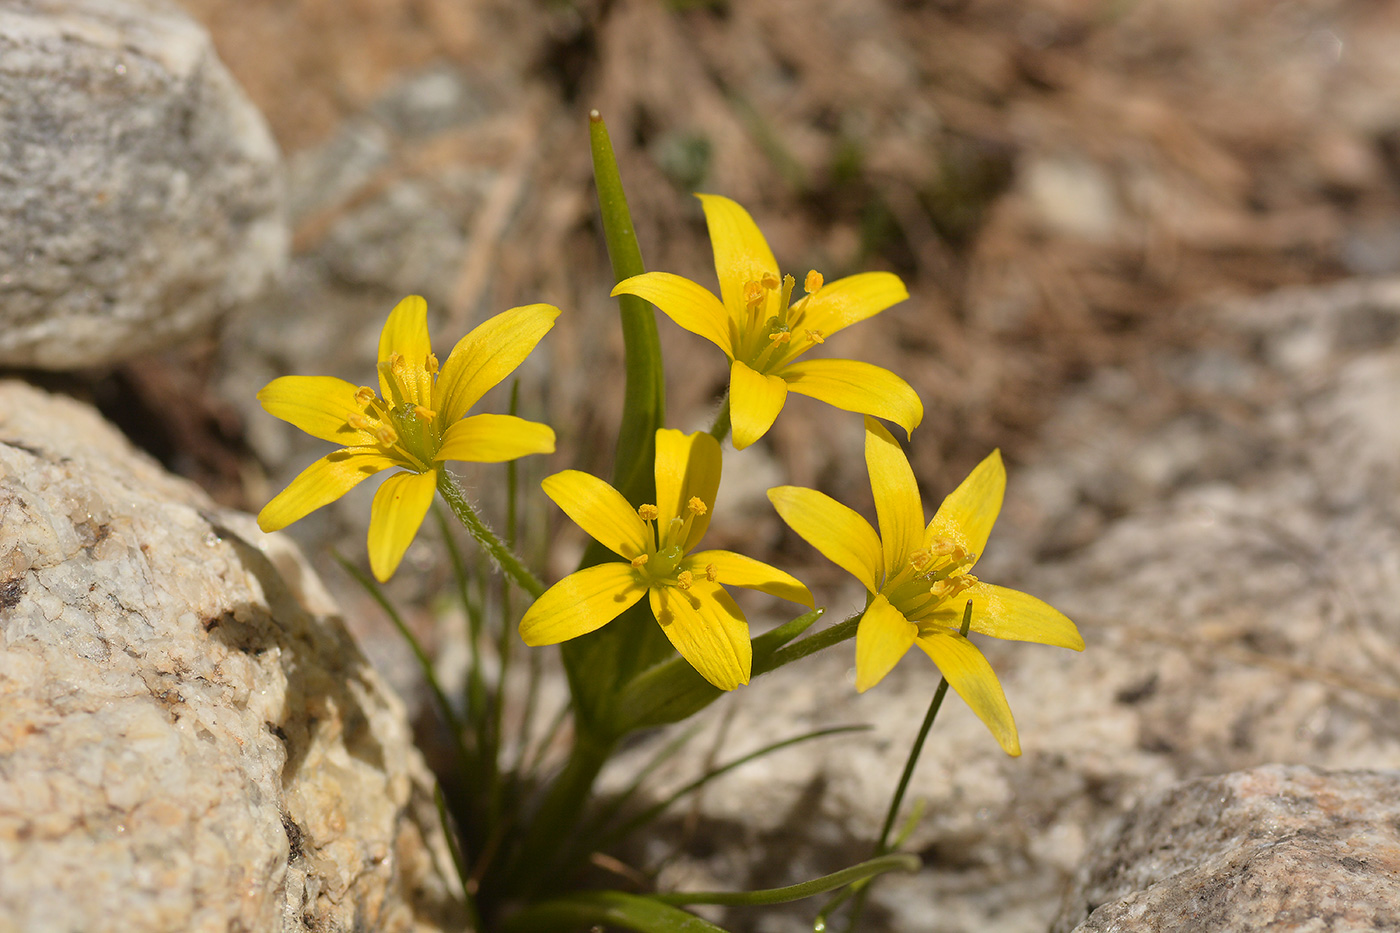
x=358, y=422
x=640, y=561
x=424, y=414
x=781, y=336
x=364, y=395
x=697, y=506
x=648, y=513
x=386, y=435
x=431, y=364
x=685, y=579
x=769, y=281
x=711, y=572
x=920, y=560
x=942, y=547
x=813, y=283
x=815, y=336
x=753, y=293
x=396, y=363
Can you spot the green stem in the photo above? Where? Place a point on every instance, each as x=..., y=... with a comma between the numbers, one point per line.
x=503, y=556
x=720, y=429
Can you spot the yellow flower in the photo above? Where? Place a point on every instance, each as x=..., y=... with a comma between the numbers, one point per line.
x=655, y=544
x=763, y=331
x=918, y=577
x=415, y=422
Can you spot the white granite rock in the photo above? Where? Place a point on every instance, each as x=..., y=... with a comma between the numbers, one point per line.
x=189, y=740
x=1286, y=848
x=1224, y=527
x=140, y=191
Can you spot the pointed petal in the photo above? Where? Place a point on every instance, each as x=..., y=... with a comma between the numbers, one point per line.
x=580, y=603
x=882, y=638
x=741, y=253
x=320, y=484
x=601, y=511
x=967, y=515
x=842, y=536
x=406, y=333
x=897, y=502
x=708, y=630
x=692, y=306
x=395, y=516
x=737, y=570
x=1010, y=614
x=494, y=439
x=754, y=403
x=969, y=673
x=319, y=405
x=686, y=465
x=855, y=386
x=848, y=301
x=487, y=355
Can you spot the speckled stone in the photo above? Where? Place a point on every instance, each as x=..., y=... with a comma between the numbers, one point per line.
x=1272, y=848
x=189, y=740
x=140, y=190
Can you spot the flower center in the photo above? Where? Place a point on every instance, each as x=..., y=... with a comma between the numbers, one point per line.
x=402, y=428
x=935, y=574
x=659, y=566
x=768, y=341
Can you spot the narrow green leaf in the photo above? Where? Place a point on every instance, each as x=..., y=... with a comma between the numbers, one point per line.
x=611, y=908
x=796, y=892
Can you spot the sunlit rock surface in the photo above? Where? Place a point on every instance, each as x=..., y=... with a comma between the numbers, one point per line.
x=140, y=191
x=1269, y=848
x=189, y=740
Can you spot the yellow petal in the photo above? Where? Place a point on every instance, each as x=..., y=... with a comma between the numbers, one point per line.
x=848, y=301
x=487, y=355
x=882, y=638
x=580, y=603
x=494, y=439
x=842, y=536
x=969, y=673
x=406, y=333
x=686, y=465
x=321, y=483
x=967, y=515
x=319, y=405
x=601, y=511
x=897, y=502
x=737, y=570
x=708, y=630
x=754, y=403
x=1010, y=614
x=395, y=516
x=741, y=253
x=690, y=305
x=861, y=387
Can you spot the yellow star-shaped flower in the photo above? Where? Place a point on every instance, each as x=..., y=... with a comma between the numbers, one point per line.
x=918, y=578
x=763, y=332
x=656, y=545
x=415, y=422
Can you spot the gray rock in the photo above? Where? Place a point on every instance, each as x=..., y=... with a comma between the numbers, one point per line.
x=1270, y=848
x=1223, y=525
x=189, y=740
x=140, y=191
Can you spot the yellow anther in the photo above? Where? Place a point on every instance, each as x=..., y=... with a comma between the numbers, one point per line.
x=941, y=588
x=386, y=435
x=431, y=364
x=364, y=395
x=684, y=579
x=711, y=572
x=697, y=506
x=813, y=282
x=920, y=560
x=648, y=513
x=358, y=422
x=942, y=547
x=640, y=561
x=396, y=363
x=815, y=336
x=753, y=293
x=769, y=281
x=424, y=414
x=781, y=336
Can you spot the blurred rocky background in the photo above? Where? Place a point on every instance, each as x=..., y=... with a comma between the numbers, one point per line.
x=1148, y=247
